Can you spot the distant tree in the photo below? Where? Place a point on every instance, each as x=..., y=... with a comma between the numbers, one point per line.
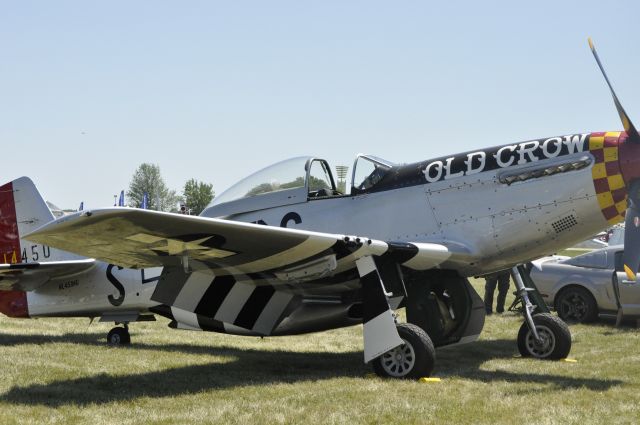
x=197, y=195
x=261, y=188
x=314, y=184
x=298, y=182
x=147, y=178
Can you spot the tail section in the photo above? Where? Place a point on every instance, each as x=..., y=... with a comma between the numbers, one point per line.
x=9, y=236
x=14, y=303
x=22, y=210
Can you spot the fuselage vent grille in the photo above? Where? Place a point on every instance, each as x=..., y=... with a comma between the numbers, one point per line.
x=565, y=223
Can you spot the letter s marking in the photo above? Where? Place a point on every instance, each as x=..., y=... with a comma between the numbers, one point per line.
x=290, y=216
x=113, y=300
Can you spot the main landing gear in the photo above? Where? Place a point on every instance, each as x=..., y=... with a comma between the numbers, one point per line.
x=442, y=308
x=119, y=336
x=411, y=360
x=542, y=335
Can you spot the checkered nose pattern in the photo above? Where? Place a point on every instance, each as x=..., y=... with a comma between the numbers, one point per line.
x=607, y=175
x=629, y=159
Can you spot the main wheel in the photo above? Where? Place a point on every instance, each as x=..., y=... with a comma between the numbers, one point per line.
x=118, y=336
x=412, y=360
x=555, y=338
x=576, y=304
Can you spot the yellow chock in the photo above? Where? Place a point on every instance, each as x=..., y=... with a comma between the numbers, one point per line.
x=567, y=360
x=370, y=375
x=429, y=380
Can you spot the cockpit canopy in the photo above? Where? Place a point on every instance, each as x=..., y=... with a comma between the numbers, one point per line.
x=294, y=173
x=368, y=170
x=293, y=181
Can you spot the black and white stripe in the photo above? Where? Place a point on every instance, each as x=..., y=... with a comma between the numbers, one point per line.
x=236, y=303
x=200, y=300
x=380, y=334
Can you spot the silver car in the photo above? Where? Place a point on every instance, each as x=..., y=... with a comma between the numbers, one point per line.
x=583, y=287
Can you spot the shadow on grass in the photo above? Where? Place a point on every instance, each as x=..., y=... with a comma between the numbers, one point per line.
x=609, y=322
x=247, y=368
x=260, y=368
x=72, y=338
x=7, y=340
x=100, y=341
x=465, y=361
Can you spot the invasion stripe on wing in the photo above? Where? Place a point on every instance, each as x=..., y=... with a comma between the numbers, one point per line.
x=306, y=249
x=193, y=290
x=235, y=303
x=253, y=306
x=214, y=295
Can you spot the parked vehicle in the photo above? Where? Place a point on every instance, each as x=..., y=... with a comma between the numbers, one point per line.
x=584, y=287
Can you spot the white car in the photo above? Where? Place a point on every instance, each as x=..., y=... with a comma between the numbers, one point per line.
x=583, y=287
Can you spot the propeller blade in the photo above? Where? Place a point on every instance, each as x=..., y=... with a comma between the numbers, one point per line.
x=631, y=256
x=632, y=133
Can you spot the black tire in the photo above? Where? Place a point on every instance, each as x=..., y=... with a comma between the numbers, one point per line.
x=555, y=336
x=412, y=360
x=575, y=304
x=118, y=336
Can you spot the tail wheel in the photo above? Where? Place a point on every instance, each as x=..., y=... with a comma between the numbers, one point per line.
x=554, y=342
x=412, y=360
x=576, y=304
x=118, y=336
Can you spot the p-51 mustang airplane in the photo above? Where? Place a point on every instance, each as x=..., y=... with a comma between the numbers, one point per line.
x=283, y=252
x=40, y=281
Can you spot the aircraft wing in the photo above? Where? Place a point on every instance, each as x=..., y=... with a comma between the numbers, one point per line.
x=222, y=274
x=135, y=238
x=30, y=276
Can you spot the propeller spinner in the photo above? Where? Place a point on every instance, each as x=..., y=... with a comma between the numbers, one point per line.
x=630, y=167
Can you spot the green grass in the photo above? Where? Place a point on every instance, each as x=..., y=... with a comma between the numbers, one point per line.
x=57, y=371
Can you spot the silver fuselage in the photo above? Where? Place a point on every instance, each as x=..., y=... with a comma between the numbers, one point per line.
x=489, y=224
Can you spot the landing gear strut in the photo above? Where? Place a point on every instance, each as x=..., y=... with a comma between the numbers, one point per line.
x=542, y=335
x=119, y=336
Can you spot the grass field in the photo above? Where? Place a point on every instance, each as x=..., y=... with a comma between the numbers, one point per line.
x=57, y=371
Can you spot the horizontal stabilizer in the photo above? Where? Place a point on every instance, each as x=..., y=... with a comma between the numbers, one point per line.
x=30, y=276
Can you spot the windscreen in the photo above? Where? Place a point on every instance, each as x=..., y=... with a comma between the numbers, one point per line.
x=288, y=174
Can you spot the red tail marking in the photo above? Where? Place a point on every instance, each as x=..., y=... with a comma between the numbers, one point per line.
x=14, y=303
x=9, y=236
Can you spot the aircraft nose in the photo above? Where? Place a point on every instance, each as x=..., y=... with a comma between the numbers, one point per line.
x=609, y=182
x=629, y=159
x=14, y=303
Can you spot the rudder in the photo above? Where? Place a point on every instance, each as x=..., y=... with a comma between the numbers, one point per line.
x=23, y=210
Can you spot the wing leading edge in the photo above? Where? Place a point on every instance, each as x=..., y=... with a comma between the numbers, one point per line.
x=141, y=239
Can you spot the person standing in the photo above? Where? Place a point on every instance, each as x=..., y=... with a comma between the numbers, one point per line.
x=501, y=279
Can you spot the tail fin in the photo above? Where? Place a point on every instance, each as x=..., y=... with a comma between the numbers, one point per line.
x=22, y=210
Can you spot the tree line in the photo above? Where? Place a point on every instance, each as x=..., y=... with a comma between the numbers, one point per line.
x=147, y=179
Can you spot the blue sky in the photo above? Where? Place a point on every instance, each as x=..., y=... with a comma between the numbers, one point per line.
x=215, y=90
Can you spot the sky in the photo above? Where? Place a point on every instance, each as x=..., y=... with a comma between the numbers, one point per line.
x=215, y=90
